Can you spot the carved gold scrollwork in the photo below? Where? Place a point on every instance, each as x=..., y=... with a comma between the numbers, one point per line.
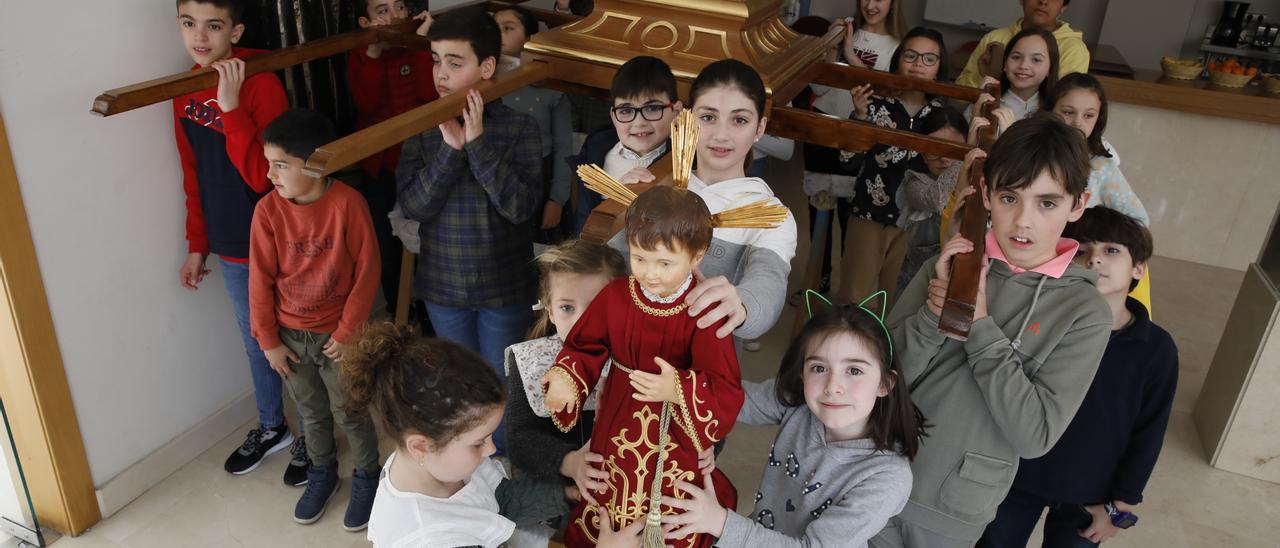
x=655, y=40
x=612, y=27
x=699, y=34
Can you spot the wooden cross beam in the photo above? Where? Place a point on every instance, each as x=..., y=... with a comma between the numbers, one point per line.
x=966, y=268
x=368, y=141
x=166, y=88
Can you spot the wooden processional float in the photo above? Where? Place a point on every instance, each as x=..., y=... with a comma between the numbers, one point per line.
x=580, y=55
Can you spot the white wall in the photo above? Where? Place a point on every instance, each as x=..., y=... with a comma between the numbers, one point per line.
x=145, y=359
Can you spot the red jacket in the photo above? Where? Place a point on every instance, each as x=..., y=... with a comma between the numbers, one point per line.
x=224, y=172
x=397, y=81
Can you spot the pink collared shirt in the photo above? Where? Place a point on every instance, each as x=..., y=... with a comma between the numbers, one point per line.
x=1053, y=268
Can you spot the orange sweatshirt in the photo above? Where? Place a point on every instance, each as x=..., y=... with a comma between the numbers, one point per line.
x=312, y=267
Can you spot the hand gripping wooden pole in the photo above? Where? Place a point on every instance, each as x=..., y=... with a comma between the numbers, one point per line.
x=361, y=144
x=966, y=269
x=163, y=89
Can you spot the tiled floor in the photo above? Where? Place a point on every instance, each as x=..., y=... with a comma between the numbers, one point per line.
x=1188, y=503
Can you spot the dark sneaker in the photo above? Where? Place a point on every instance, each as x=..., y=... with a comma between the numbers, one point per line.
x=259, y=443
x=322, y=483
x=363, y=487
x=296, y=474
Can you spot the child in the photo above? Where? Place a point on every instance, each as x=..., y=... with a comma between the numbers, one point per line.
x=870, y=38
x=922, y=196
x=872, y=34
x=1082, y=104
x=552, y=111
x=1011, y=388
x=441, y=403
x=644, y=99
x=313, y=272
x=1099, y=467
x=674, y=388
x=224, y=175
x=385, y=81
x=1037, y=14
x=838, y=468
x=473, y=186
x=572, y=274
x=876, y=248
x=745, y=270
x=1030, y=72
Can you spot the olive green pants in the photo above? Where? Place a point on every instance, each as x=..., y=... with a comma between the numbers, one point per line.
x=316, y=387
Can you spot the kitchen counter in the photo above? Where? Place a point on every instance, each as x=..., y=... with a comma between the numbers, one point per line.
x=1150, y=88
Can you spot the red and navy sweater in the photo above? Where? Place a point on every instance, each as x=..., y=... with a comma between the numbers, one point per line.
x=223, y=170
x=397, y=81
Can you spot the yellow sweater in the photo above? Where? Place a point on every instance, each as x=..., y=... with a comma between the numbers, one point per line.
x=1072, y=53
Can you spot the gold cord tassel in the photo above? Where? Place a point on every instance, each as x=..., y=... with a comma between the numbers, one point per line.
x=595, y=178
x=684, y=145
x=761, y=214
x=652, y=536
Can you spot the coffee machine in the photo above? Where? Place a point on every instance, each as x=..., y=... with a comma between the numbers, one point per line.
x=1227, y=31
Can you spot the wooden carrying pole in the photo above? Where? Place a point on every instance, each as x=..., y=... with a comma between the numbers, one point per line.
x=163, y=89
x=361, y=144
x=966, y=269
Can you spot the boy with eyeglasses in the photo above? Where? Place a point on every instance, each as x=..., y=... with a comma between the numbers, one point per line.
x=645, y=102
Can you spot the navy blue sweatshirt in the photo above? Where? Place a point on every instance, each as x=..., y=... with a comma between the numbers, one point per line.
x=1111, y=446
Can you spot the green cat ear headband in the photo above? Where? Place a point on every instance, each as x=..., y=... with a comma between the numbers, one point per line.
x=809, y=294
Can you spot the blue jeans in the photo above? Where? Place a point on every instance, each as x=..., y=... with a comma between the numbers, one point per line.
x=268, y=388
x=488, y=331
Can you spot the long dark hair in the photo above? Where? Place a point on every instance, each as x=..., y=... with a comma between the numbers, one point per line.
x=432, y=387
x=1050, y=79
x=1080, y=80
x=895, y=423
x=735, y=74
x=922, y=32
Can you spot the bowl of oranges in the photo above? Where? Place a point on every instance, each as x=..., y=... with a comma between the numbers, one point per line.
x=1231, y=74
x=1181, y=69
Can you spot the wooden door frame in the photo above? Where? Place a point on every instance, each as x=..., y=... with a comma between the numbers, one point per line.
x=33, y=382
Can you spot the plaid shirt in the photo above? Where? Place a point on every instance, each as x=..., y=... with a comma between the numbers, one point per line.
x=475, y=207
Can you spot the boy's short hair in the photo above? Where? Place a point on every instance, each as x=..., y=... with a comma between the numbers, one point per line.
x=235, y=8
x=299, y=132
x=1103, y=224
x=471, y=25
x=670, y=216
x=527, y=19
x=1033, y=145
x=643, y=75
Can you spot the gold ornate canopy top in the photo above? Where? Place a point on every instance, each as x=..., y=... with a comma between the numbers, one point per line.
x=687, y=34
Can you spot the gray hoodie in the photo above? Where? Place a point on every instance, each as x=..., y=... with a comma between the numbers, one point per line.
x=1008, y=392
x=814, y=492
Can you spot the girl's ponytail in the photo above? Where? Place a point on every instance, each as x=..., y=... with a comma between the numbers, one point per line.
x=432, y=387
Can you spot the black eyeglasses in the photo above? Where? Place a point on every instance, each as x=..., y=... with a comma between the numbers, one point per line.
x=651, y=112
x=928, y=59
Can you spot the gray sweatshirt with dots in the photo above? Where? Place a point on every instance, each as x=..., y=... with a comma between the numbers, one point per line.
x=815, y=493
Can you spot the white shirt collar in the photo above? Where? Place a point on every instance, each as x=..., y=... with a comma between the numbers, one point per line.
x=669, y=298
x=630, y=155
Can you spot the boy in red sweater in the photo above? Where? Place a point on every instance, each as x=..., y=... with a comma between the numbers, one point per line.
x=386, y=81
x=313, y=272
x=224, y=175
